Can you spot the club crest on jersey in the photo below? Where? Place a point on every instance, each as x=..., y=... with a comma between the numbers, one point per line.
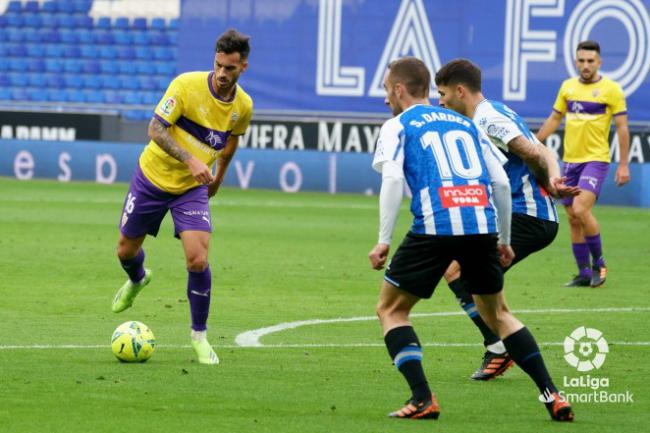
x=463, y=196
x=577, y=107
x=213, y=139
x=234, y=117
x=496, y=131
x=595, y=93
x=168, y=106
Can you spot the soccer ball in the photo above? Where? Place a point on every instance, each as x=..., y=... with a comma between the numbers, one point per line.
x=133, y=342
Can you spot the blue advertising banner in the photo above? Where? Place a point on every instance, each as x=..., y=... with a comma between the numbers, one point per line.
x=331, y=55
x=284, y=170
x=289, y=171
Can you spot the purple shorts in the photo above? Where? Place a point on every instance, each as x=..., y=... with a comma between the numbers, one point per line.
x=589, y=176
x=146, y=205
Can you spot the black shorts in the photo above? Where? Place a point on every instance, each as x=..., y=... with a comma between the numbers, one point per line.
x=529, y=235
x=421, y=260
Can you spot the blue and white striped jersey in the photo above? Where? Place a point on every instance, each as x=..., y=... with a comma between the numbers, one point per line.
x=443, y=155
x=502, y=125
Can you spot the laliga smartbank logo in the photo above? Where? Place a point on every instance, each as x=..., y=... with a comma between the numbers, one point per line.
x=586, y=349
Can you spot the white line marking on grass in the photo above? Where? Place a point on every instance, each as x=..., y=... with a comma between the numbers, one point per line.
x=284, y=346
x=252, y=338
x=430, y=344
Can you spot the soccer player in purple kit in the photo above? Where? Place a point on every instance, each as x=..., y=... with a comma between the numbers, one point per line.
x=459, y=186
x=197, y=123
x=588, y=102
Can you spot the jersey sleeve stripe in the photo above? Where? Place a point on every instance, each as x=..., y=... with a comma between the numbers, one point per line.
x=162, y=120
x=621, y=113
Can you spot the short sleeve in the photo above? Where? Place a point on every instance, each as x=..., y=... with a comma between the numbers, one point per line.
x=499, y=127
x=560, y=102
x=390, y=144
x=244, y=121
x=617, y=101
x=170, y=107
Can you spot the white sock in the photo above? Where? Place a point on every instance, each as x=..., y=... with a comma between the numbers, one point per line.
x=202, y=335
x=498, y=347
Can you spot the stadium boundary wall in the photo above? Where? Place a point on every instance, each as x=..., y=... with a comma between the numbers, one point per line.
x=289, y=171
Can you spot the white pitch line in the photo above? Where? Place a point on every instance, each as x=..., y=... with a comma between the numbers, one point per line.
x=288, y=346
x=252, y=338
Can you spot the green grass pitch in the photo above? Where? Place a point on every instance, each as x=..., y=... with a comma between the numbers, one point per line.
x=280, y=258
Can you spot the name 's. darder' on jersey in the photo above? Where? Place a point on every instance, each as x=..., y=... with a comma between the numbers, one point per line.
x=442, y=154
x=503, y=125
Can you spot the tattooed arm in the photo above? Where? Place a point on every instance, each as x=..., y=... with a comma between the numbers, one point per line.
x=542, y=163
x=161, y=136
x=534, y=158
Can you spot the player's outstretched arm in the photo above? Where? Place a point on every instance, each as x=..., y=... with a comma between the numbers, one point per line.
x=223, y=161
x=622, y=175
x=161, y=136
x=557, y=187
x=551, y=124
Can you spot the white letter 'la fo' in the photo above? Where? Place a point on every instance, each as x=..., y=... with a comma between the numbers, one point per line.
x=411, y=35
x=332, y=79
x=633, y=16
x=523, y=45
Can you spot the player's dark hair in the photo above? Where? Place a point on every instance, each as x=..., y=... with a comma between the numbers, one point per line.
x=413, y=73
x=589, y=46
x=231, y=41
x=460, y=71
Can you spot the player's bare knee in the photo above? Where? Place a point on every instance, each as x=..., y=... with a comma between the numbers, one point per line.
x=197, y=263
x=126, y=250
x=574, y=221
x=581, y=212
x=389, y=311
x=381, y=309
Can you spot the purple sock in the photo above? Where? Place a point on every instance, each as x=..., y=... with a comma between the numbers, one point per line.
x=596, y=249
x=134, y=267
x=581, y=253
x=198, y=292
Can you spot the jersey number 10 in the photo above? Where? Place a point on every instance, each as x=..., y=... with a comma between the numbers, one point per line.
x=449, y=152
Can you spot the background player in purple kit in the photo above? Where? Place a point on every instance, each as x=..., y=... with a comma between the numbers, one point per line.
x=588, y=102
x=197, y=123
x=456, y=178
